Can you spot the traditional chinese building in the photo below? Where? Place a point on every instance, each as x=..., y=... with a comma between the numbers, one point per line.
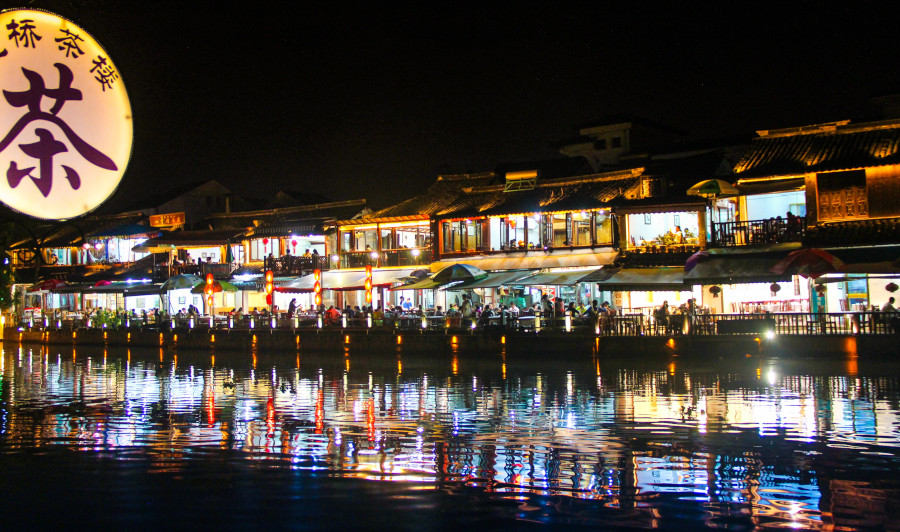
x=834, y=186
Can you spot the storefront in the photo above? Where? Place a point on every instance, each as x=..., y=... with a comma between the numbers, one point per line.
x=740, y=284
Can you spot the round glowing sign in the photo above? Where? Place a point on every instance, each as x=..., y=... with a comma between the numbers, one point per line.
x=65, y=118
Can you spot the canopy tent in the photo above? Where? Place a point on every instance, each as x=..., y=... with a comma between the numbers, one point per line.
x=555, y=278
x=734, y=270
x=664, y=279
x=494, y=280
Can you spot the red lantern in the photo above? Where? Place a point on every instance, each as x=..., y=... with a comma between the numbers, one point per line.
x=775, y=288
x=715, y=291
x=269, y=299
x=891, y=287
x=293, y=243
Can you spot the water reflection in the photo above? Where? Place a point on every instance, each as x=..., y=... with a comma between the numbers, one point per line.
x=808, y=445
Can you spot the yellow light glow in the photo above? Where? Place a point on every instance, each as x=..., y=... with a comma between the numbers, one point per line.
x=423, y=223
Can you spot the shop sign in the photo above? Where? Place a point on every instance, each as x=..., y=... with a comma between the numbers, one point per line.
x=549, y=291
x=167, y=220
x=65, y=118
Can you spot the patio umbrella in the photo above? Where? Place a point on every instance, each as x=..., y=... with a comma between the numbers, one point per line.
x=713, y=188
x=103, y=283
x=46, y=286
x=459, y=272
x=218, y=286
x=179, y=282
x=695, y=259
x=811, y=263
x=456, y=273
x=415, y=275
x=229, y=255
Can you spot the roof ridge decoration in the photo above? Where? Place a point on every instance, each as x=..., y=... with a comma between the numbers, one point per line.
x=563, y=181
x=803, y=130
x=461, y=177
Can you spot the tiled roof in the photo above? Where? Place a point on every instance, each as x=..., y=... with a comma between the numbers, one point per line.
x=69, y=235
x=829, y=148
x=584, y=192
x=439, y=196
x=854, y=233
x=344, y=210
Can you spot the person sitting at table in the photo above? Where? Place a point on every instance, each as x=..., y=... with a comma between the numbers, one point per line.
x=307, y=255
x=513, y=309
x=239, y=315
x=679, y=236
x=662, y=316
x=405, y=304
x=889, y=306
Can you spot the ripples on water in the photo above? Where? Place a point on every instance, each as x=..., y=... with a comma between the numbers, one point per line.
x=756, y=444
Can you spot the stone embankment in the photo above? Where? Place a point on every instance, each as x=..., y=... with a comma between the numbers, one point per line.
x=546, y=343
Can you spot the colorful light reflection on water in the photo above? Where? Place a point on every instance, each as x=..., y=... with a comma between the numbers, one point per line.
x=759, y=444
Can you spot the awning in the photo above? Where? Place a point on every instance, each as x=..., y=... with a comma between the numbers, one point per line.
x=494, y=279
x=535, y=260
x=768, y=187
x=640, y=279
x=126, y=231
x=555, y=279
x=189, y=239
x=299, y=228
x=344, y=280
x=735, y=270
x=871, y=267
x=129, y=289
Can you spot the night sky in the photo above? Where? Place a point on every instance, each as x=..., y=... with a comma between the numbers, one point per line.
x=353, y=100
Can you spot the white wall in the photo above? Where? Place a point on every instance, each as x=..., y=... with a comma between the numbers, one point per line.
x=765, y=206
x=760, y=292
x=139, y=303
x=877, y=293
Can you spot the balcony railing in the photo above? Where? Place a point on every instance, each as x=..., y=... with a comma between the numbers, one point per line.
x=396, y=257
x=758, y=232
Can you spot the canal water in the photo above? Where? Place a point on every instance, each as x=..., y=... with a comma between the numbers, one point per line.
x=166, y=440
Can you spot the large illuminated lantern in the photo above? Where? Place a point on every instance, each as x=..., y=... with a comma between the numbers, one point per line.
x=65, y=119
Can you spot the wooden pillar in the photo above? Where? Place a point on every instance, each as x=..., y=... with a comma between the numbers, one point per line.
x=701, y=222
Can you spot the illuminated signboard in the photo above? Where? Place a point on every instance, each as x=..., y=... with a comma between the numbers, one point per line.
x=65, y=118
x=167, y=220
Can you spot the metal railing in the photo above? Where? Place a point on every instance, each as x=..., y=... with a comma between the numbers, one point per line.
x=814, y=324
x=757, y=232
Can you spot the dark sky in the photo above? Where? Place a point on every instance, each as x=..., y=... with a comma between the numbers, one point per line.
x=374, y=100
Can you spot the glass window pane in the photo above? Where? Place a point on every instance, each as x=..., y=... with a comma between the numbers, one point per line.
x=582, y=228
x=603, y=231
x=559, y=230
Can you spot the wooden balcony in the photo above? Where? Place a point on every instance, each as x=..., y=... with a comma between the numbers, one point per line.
x=757, y=232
